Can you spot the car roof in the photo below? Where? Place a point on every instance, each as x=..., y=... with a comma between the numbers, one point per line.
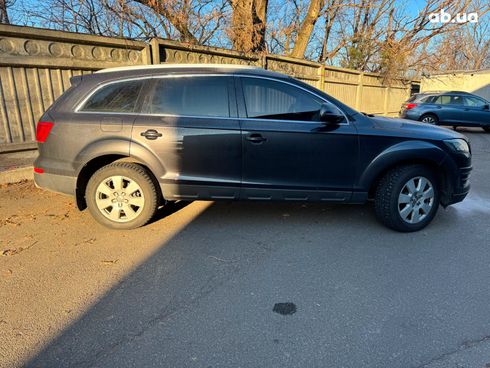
x=445, y=93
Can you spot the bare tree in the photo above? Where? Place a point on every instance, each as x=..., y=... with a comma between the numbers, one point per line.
x=306, y=29
x=368, y=35
x=332, y=12
x=409, y=40
x=466, y=49
x=4, y=5
x=177, y=14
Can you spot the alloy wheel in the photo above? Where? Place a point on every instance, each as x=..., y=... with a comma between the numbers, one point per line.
x=429, y=120
x=119, y=198
x=416, y=200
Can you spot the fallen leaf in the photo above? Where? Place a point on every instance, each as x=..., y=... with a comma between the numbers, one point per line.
x=109, y=262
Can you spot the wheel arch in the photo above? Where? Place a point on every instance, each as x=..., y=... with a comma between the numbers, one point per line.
x=105, y=152
x=405, y=153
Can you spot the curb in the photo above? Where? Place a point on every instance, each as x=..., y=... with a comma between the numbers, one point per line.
x=16, y=175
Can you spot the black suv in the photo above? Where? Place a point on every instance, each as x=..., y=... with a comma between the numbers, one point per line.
x=124, y=141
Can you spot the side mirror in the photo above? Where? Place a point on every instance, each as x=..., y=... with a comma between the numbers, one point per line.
x=330, y=114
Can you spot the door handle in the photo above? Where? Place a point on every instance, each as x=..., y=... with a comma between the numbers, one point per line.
x=151, y=134
x=255, y=138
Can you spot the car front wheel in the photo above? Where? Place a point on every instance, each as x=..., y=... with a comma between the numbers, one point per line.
x=121, y=195
x=407, y=198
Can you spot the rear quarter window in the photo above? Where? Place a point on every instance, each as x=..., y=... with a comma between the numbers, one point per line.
x=191, y=96
x=115, y=97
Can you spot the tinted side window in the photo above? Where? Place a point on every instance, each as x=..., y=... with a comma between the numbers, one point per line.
x=194, y=96
x=457, y=100
x=116, y=97
x=443, y=100
x=267, y=99
x=473, y=101
x=427, y=99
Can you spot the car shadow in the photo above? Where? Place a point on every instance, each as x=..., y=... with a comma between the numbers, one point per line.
x=168, y=209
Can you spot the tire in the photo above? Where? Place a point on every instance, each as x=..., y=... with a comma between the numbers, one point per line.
x=108, y=191
x=429, y=119
x=486, y=129
x=393, y=195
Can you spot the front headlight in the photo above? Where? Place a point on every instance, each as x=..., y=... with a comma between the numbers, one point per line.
x=458, y=145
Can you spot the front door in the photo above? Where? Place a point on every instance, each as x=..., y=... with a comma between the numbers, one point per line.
x=189, y=131
x=476, y=111
x=287, y=152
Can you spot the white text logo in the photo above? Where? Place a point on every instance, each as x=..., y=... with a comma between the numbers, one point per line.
x=445, y=17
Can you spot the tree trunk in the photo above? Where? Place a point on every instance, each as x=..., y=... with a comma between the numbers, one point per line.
x=4, y=18
x=260, y=24
x=306, y=28
x=241, y=32
x=248, y=25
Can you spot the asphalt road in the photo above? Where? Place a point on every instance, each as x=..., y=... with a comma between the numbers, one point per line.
x=197, y=287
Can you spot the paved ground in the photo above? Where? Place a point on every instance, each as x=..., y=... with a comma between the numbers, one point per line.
x=197, y=287
x=14, y=160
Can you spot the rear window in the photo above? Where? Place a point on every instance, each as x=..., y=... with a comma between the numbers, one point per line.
x=413, y=98
x=191, y=96
x=442, y=100
x=427, y=99
x=115, y=97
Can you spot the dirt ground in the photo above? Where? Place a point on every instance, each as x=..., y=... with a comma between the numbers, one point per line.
x=55, y=261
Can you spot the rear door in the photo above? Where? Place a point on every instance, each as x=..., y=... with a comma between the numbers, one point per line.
x=189, y=130
x=287, y=153
x=450, y=109
x=104, y=120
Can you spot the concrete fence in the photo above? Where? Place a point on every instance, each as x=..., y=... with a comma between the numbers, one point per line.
x=37, y=64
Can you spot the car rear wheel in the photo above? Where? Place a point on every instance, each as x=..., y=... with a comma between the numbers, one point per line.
x=486, y=129
x=121, y=195
x=429, y=119
x=407, y=198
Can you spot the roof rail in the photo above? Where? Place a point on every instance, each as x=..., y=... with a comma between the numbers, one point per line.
x=176, y=66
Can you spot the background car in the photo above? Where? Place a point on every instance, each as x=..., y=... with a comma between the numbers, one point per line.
x=448, y=108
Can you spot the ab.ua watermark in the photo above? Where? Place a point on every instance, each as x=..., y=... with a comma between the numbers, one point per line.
x=445, y=17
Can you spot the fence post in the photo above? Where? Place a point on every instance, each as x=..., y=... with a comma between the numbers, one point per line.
x=387, y=100
x=321, y=71
x=155, y=51
x=359, y=91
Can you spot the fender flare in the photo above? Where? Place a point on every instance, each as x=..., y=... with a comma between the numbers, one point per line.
x=122, y=147
x=402, y=152
x=101, y=147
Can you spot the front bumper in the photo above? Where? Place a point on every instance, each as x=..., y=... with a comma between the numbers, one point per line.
x=459, y=188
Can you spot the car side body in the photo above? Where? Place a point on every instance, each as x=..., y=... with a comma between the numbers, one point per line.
x=201, y=134
x=453, y=108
